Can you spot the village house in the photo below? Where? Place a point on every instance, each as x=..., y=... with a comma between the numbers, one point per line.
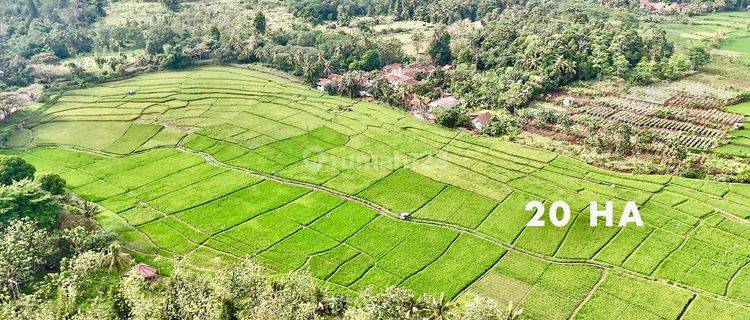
x=480, y=120
x=146, y=271
x=399, y=74
x=332, y=79
x=661, y=7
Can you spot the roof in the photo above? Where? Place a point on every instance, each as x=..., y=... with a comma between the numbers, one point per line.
x=445, y=102
x=482, y=118
x=146, y=271
x=396, y=79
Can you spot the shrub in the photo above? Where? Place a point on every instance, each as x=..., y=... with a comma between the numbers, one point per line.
x=502, y=124
x=744, y=176
x=15, y=168
x=453, y=117
x=52, y=183
x=27, y=199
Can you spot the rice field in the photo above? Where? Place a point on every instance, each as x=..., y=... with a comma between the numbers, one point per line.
x=730, y=26
x=211, y=165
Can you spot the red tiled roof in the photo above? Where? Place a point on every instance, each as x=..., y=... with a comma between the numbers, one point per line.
x=146, y=271
x=482, y=118
x=396, y=79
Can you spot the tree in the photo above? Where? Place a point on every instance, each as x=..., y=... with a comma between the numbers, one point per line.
x=9, y=103
x=502, y=124
x=698, y=56
x=440, y=47
x=27, y=199
x=24, y=248
x=351, y=83
x=453, y=117
x=52, y=183
x=88, y=209
x=259, y=22
x=172, y=5
x=115, y=259
x=33, y=11
x=369, y=61
x=15, y=168
x=440, y=308
x=417, y=39
x=215, y=34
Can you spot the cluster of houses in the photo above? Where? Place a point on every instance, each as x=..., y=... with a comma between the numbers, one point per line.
x=401, y=75
x=662, y=7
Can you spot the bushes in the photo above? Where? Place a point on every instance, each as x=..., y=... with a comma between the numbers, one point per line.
x=52, y=183
x=24, y=248
x=27, y=199
x=14, y=168
x=453, y=117
x=502, y=124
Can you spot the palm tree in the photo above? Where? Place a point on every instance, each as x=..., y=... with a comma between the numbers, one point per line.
x=89, y=209
x=351, y=83
x=114, y=258
x=531, y=61
x=439, y=309
x=564, y=67
x=401, y=96
x=414, y=306
x=513, y=312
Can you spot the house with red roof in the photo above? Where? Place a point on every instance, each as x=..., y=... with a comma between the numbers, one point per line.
x=480, y=120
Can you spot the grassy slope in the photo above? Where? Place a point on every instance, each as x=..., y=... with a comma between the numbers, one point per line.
x=277, y=172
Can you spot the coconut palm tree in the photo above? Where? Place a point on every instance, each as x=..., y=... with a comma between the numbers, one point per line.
x=351, y=83
x=415, y=306
x=89, y=209
x=564, y=67
x=401, y=96
x=439, y=309
x=114, y=258
x=513, y=312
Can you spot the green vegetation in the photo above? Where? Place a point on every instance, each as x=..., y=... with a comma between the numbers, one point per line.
x=257, y=197
x=206, y=204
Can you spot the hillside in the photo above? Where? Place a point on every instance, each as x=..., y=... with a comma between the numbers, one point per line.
x=212, y=164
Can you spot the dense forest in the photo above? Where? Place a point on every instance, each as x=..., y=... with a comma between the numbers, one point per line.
x=448, y=11
x=55, y=27
x=530, y=49
x=514, y=46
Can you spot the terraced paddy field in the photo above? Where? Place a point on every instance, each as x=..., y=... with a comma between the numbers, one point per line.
x=732, y=26
x=211, y=165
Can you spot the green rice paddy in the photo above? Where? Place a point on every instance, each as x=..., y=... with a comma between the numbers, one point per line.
x=732, y=26
x=212, y=165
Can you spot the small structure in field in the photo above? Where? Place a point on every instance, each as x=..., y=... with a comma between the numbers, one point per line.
x=404, y=215
x=480, y=120
x=132, y=92
x=147, y=272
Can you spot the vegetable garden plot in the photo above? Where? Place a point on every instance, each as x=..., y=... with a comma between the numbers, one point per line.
x=687, y=110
